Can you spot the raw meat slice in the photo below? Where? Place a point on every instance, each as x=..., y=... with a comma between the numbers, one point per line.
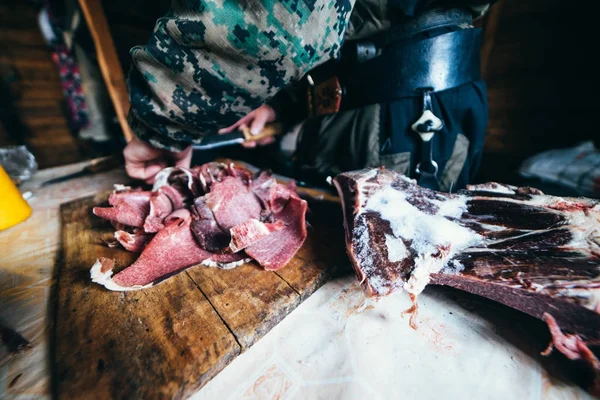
x=536, y=253
x=134, y=242
x=232, y=202
x=261, y=186
x=126, y=194
x=206, y=215
x=128, y=208
x=279, y=197
x=239, y=172
x=177, y=215
x=250, y=232
x=213, y=172
x=170, y=251
x=177, y=199
x=208, y=233
x=186, y=181
x=271, y=194
x=163, y=202
x=275, y=250
x=160, y=207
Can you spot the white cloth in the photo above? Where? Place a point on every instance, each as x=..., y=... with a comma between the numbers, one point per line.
x=576, y=168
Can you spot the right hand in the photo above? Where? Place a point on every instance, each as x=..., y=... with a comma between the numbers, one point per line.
x=143, y=161
x=256, y=120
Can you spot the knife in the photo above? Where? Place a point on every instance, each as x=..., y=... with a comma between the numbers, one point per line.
x=93, y=167
x=237, y=137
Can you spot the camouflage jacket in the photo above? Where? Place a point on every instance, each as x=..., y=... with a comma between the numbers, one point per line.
x=210, y=62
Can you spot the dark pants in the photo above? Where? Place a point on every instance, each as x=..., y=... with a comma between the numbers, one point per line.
x=381, y=135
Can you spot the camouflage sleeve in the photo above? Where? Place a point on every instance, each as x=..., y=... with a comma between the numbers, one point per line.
x=209, y=62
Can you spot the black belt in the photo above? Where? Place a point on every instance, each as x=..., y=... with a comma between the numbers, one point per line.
x=425, y=21
x=406, y=68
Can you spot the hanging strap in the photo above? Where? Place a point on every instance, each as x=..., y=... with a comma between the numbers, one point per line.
x=426, y=127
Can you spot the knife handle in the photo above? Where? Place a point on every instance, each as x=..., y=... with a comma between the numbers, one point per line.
x=270, y=129
x=104, y=164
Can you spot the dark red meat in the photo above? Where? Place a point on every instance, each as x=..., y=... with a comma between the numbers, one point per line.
x=176, y=216
x=185, y=181
x=232, y=202
x=275, y=250
x=250, y=232
x=208, y=232
x=177, y=199
x=261, y=186
x=171, y=250
x=129, y=208
x=206, y=215
x=134, y=242
x=536, y=253
x=160, y=207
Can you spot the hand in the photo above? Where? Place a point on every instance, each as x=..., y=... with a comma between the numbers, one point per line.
x=143, y=161
x=256, y=119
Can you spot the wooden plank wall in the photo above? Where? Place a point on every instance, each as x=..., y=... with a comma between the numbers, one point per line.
x=30, y=80
x=31, y=92
x=536, y=76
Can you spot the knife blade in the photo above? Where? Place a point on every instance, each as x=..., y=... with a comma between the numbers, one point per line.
x=237, y=137
x=94, y=166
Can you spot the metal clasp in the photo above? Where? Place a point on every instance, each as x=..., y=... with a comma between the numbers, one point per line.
x=426, y=127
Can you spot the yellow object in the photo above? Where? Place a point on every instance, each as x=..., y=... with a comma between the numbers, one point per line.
x=13, y=207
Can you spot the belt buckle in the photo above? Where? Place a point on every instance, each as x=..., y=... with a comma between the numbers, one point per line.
x=324, y=97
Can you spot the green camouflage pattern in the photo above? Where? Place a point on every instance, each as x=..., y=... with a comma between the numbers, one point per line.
x=210, y=62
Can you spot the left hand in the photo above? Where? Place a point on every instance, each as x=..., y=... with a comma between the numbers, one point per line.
x=143, y=161
x=256, y=120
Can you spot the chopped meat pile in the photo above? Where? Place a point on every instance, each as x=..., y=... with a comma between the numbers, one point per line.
x=536, y=253
x=215, y=215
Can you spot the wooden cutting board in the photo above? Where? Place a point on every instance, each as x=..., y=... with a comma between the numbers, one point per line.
x=170, y=340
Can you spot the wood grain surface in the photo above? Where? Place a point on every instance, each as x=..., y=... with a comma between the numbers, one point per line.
x=169, y=340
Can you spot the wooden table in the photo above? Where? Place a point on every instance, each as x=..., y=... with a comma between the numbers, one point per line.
x=29, y=252
x=331, y=346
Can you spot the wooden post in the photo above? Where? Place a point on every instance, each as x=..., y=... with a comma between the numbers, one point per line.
x=489, y=37
x=109, y=62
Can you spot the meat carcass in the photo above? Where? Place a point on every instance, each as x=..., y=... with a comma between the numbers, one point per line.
x=536, y=253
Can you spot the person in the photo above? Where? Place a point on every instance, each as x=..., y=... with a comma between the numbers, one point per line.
x=392, y=83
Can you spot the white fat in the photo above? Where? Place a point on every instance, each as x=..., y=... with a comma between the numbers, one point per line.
x=121, y=188
x=231, y=265
x=494, y=187
x=382, y=286
x=202, y=180
x=427, y=233
x=419, y=278
x=361, y=242
x=490, y=227
x=454, y=207
x=105, y=279
x=162, y=178
x=454, y=267
x=396, y=248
